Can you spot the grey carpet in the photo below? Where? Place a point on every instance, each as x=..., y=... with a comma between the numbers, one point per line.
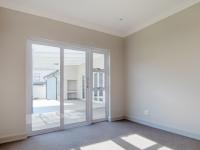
x=77, y=138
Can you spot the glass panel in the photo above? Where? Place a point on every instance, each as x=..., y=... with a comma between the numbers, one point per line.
x=74, y=86
x=46, y=87
x=98, y=61
x=98, y=87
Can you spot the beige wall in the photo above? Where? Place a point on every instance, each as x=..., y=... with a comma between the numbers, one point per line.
x=15, y=29
x=163, y=73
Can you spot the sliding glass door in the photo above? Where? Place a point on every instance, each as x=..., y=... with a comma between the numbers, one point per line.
x=75, y=97
x=45, y=87
x=68, y=88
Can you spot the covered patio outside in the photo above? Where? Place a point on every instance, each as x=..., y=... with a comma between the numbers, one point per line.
x=46, y=113
x=46, y=89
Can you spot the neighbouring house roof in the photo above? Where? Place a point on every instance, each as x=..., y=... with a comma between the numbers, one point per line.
x=52, y=74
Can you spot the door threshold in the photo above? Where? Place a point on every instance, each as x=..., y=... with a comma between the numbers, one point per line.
x=66, y=127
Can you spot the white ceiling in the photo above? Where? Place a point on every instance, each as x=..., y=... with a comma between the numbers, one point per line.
x=103, y=15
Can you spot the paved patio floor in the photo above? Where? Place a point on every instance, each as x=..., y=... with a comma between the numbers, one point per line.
x=46, y=113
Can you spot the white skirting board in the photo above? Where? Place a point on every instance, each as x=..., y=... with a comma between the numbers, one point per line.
x=12, y=138
x=165, y=128
x=116, y=118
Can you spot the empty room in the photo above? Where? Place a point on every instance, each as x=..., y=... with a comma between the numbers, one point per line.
x=100, y=75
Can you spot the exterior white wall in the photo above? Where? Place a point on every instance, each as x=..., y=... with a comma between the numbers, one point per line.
x=73, y=72
x=39, y=91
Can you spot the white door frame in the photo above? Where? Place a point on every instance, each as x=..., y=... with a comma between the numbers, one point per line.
x=89, y=61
